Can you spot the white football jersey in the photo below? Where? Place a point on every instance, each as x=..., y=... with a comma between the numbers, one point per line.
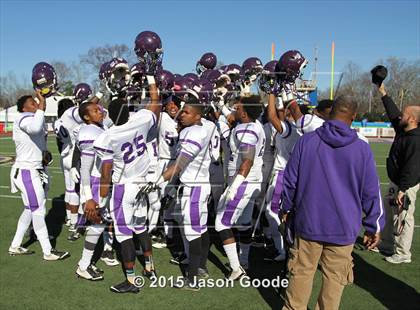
x=308, y=123
x=85, y=139
x=70, y=120
x=214, y=136
x=248, y=134
x=194, y=143
x=126, y=147
x=63, y=136
x=284, y=143
x=30, y=136
x=168, y=136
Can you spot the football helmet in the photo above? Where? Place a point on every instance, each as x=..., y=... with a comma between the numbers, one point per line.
x=137, y=74
x=149, y=51
x=207, y=62
x=252, y=68
x=268, y=82
x=117, y=75
x=165, y=81
x=44, y=79
x=290, y=66
x=82, y=92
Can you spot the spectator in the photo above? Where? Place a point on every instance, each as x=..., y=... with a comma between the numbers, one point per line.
x=329, y=181
x=403, y=167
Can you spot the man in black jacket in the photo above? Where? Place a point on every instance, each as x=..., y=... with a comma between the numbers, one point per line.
x=403, y=167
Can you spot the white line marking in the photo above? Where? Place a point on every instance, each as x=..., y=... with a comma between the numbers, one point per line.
x=19, y=197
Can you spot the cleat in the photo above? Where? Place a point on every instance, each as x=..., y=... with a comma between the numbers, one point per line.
x=74, y=236
x=68, y=223
x=56, y=255
x=150, y=274
x=89, y=274
x=72, y=228
x=186, y=284
x=108, y=257
x=159, y=243
x=181, y=259
x=203, y=273
x=398, y=259
x=236, y=274
x=96, y=269
x=125, y=287
x=19, y=251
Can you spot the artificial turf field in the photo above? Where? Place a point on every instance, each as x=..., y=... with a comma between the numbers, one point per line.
x=28, y=282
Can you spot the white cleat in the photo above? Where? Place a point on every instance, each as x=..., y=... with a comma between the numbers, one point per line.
x=398, y=259
x=236, y=274
x=89, y=274
x=19, y=251
x=72, y=228
x=56, y=255
x=108, y=257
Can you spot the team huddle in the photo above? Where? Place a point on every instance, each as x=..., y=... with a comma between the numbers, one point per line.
x=169, y=153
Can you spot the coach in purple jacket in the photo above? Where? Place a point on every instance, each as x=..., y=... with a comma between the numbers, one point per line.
x=330, y=189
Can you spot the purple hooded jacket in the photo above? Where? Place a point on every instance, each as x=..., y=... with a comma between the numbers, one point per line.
x=329, y=182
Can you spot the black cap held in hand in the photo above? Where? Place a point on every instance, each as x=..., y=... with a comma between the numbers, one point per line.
x=379, y=74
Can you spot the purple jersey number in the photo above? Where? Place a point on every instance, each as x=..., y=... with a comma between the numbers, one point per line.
x=128, y=149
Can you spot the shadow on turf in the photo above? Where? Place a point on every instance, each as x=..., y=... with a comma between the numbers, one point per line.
x=389, y=291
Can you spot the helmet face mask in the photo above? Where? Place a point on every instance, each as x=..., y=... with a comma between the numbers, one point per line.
x=268, y=82
x=117, y=75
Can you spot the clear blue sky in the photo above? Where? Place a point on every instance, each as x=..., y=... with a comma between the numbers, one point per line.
x=363, y=31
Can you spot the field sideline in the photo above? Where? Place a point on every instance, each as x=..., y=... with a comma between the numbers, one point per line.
x=31, y=283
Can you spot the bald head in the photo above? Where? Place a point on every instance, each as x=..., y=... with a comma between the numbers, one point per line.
x=410, y=118
x=344, y=108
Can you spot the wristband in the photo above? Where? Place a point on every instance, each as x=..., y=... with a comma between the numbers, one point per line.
x=150, y=79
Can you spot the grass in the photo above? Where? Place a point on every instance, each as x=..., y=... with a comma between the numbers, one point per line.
x=31, y=283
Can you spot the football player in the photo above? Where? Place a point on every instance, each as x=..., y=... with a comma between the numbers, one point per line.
x=123, y=150
x=235, y=207
x=28, y=175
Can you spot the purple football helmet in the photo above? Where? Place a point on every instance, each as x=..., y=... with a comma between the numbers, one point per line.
x=207, y=62
x=117, y=75
x=251, y=68
x=268, y=82
x=103, y=71
x=165, y=81
x=176, y=75
x=290, y=66
x=181, y=87
x=44, y=79
x=148, y=48
x=82, y=92
x=205, y=91
x=192, y=77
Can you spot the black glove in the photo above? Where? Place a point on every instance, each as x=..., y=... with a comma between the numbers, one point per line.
x=47, y=158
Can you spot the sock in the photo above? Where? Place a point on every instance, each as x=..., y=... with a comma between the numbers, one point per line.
x=232, y=255
x=108, y=240
x=91, y=239
x=194, y=258
x=148, y=263
x=23, y=224
x=40, y=228
x=244, y=252
x=205, y=247
x=68, y=214
x=131, y=275
x=153, y=216
x=81, y=219
x=73, y=218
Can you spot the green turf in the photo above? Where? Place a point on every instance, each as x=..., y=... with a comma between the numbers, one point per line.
x=31, y=283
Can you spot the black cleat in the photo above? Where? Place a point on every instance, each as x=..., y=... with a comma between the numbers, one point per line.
x=187, y=285
x=125, y=287
x=149, y=274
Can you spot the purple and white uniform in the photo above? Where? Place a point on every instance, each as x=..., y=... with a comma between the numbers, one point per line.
x=28, y=177
x=90, y=164
x=239, y=210
x=65, y=130
x=125, y=146
x=191, y=208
